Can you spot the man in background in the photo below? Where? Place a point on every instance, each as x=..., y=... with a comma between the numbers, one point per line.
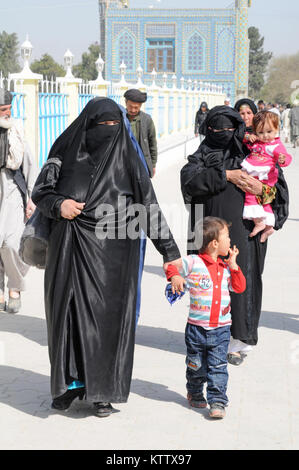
x=261, y=105
x=143, y=127
x=294, y=123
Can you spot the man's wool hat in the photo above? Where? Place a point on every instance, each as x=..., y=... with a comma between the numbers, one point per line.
x=5, y=97
x=135, y=95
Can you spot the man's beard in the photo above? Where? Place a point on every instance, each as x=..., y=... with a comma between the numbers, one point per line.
x=6, y=123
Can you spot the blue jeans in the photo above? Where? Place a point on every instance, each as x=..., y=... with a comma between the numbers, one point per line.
x=207, y=361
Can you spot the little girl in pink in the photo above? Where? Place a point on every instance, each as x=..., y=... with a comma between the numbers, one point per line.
x=266, y=152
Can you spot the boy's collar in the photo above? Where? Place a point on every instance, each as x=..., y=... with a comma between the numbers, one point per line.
x=210, y=260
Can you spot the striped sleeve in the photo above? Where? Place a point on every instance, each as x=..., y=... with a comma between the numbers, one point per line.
x=186, y=269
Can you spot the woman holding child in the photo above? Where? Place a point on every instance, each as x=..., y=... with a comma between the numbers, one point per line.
x=213, y=178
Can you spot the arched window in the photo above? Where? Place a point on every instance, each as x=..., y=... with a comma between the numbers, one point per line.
x=196, y=53
x=126, y=50
x=225, y=51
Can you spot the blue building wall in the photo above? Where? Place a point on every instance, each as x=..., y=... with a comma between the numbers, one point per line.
x=209, y=37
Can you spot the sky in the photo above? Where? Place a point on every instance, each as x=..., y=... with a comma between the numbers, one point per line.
x=54, y=26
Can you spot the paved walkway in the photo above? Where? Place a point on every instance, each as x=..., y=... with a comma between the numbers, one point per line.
x=263, y=391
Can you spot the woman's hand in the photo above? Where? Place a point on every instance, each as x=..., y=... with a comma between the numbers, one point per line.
x=30, y=208
x=247, y=183
x=70, y=209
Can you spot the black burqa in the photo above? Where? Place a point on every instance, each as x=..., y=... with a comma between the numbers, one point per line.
x=91, y=283
x=203, y=181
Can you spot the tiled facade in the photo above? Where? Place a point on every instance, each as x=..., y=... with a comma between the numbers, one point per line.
x=208, y=45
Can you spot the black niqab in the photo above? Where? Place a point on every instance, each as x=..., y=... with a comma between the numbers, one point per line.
x=223, y=117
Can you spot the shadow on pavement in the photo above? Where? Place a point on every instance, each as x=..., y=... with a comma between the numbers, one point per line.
x=32, y=328
x=159, y=392
x=29, y=392
x=280, y=321
x=155, y=270
x=161, y=338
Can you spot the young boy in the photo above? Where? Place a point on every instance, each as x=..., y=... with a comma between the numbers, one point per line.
x=207, y=332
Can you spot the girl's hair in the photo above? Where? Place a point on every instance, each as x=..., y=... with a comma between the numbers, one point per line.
x=265, y=117
x=207, y=230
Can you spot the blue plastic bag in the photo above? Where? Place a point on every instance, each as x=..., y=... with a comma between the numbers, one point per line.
x=172, y=297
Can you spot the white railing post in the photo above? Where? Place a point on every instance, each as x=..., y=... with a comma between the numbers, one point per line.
x=100, y=86
x=70, y=86
x=27, y=82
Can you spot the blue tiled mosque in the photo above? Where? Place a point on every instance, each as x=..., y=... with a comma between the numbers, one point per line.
x=208, y=45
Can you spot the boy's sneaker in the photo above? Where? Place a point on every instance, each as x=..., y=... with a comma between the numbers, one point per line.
x=217, y=411
x=197, y=400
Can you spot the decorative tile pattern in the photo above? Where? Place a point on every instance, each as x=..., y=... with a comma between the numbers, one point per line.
x=196, y=48
x=125, y=46
x=160, y=30
x=225, y=47
x=210, y=45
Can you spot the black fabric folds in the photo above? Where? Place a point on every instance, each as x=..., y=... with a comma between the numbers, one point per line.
x=3, y=147
x=90, y=280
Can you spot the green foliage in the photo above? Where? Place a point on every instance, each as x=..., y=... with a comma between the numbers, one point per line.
x=283, y=71
x=258, y=62
x=9, y=56
x=47, y=67
x=86, y=69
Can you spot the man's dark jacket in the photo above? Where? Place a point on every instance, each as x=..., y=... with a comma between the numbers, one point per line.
x=148, y=141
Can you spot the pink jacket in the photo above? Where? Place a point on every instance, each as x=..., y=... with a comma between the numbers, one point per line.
x=262, y=160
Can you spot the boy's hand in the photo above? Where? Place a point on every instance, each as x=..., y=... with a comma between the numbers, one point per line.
x=178, y=284
x=281, y=159
x=231, y=260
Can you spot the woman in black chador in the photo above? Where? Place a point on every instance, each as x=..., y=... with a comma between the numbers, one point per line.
x=91, y=281
x=213, y=178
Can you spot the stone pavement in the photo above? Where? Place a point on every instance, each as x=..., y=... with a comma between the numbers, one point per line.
x=263, y=391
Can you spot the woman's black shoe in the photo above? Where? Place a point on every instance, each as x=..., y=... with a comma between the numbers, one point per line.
x=63, y=402
x=103, y=409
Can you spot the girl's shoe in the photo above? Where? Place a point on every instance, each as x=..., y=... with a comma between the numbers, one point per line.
x=103, y=409
x=63, y=402
x=2, y=306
